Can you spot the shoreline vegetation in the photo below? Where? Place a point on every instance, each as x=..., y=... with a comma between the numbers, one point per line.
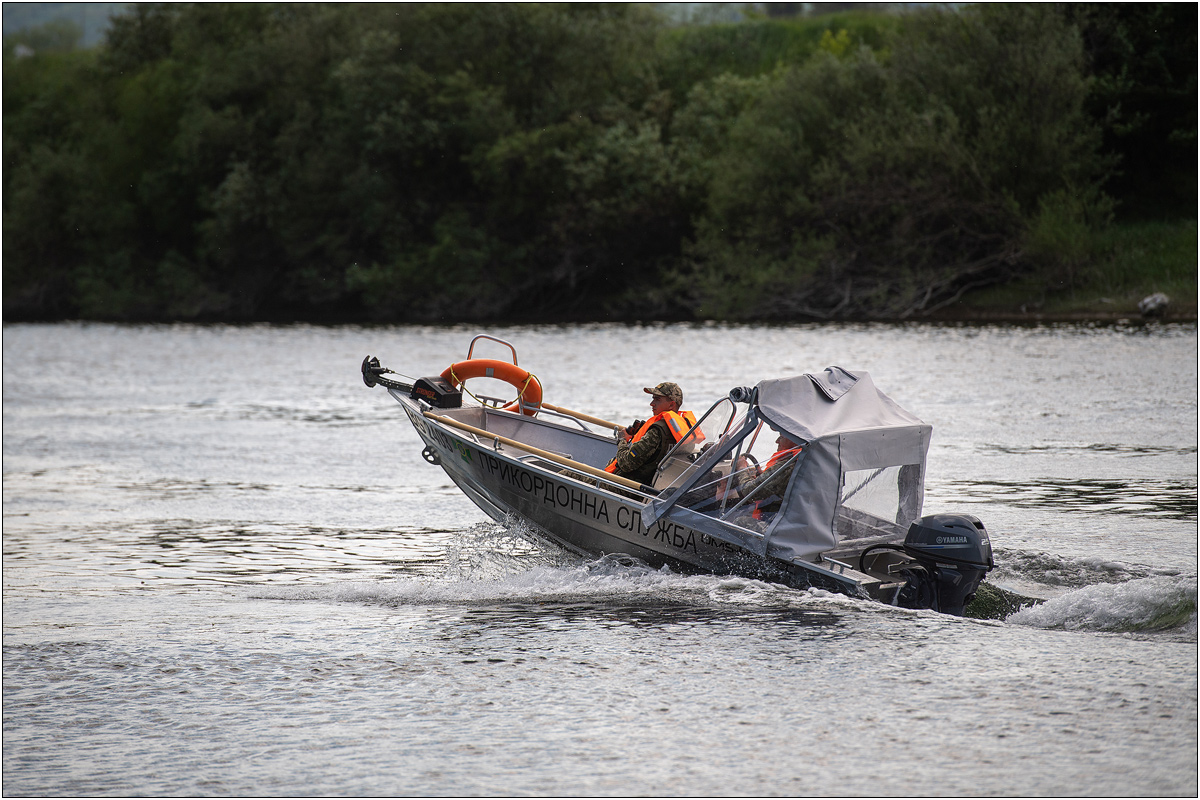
x=1129, y=262
x=513, y=163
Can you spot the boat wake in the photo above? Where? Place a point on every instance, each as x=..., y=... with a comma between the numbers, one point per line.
x=1139, y=605
x=1058, y=572
x=493, y=561
x=1096, y=594
x=492, y=564
x=491, y=551
x=608, y=580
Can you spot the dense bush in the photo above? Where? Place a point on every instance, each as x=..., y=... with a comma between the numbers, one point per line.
x=855, y=186
x=439, y=162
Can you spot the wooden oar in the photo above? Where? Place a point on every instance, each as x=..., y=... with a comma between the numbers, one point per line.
x=566, y=462
x=582, y=416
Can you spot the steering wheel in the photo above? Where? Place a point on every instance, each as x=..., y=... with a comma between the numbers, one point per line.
x=753, y=461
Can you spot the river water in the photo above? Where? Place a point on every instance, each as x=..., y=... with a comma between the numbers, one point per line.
x=227, y=571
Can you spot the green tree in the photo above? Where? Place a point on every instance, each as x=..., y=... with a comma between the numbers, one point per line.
x=858, y=186
x=1143, y=57
x=442, y=162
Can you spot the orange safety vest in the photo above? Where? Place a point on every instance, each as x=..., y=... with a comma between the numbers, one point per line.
x=775, y=459
x=678, y=423
x=781, y=455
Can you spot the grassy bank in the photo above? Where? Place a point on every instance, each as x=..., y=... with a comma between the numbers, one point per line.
x=1124, y=264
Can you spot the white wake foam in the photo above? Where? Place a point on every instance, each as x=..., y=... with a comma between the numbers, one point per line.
x=1146, y=604
x=605, y=579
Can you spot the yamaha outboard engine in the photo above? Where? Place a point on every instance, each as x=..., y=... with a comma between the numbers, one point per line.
x=956, y=553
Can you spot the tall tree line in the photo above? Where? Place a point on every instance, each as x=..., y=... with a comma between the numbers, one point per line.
x=444, y=162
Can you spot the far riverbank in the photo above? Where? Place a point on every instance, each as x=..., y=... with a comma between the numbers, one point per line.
x=1115, y=270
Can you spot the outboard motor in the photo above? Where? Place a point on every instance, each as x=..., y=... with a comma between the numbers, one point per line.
x=956, y=553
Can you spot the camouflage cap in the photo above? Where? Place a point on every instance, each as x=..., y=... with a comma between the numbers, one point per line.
x=669, y=390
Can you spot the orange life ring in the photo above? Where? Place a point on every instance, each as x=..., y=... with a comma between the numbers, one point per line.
x=529, y=389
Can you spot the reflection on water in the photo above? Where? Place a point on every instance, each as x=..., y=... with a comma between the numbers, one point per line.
x=1069, y=448
x=181, y=553
x=317, y=412
x=1171, y=499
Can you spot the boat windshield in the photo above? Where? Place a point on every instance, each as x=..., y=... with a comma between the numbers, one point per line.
x=715, y=424
x=746, y=482
x=745, y=486
x=708, y=431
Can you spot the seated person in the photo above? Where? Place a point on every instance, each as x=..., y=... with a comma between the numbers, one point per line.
x=645, y=444
x=769, y=483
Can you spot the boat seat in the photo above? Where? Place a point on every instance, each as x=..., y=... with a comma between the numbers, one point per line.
x=671, y=468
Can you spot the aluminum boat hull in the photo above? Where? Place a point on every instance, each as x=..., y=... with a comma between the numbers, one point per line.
x=508, y=484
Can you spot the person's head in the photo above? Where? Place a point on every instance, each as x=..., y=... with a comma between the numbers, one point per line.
x=666, y=396
x=783, y=441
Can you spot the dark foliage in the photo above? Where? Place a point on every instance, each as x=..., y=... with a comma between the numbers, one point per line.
x=1144, y=61
x=440, y=162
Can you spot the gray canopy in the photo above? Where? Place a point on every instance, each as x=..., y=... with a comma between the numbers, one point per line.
x=850, y=426
x=835, y=401
x=860, y=475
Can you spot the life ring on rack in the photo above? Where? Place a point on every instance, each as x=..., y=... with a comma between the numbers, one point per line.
x=529, y=389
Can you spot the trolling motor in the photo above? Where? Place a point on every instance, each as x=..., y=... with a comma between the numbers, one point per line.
x=436, y=391
x=372, y=374
x=948, y=557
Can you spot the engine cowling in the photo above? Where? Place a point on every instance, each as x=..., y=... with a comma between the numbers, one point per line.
x=956, y=552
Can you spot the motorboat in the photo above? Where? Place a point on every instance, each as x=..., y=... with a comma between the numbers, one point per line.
x=838, y=508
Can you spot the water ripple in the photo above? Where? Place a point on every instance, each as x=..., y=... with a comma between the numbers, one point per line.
x=1161, y=498
x=183, y=553
x=1069, y=448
